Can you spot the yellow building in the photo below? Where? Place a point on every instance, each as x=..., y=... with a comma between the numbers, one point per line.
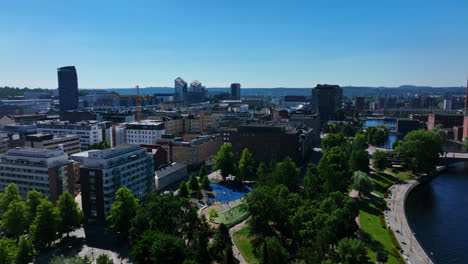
x=206, y=119
x=194, y=152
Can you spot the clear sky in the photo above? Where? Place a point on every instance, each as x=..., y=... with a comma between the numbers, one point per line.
x=258, y=43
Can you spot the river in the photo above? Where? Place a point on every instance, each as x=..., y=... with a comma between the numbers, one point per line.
x=437, y=215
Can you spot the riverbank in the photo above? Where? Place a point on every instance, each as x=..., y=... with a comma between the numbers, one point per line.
x=397, y=220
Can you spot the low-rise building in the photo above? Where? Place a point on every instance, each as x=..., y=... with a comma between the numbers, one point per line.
x=444, y=121
x=90, y=132
x=169, y=174
x=47, y=171
x=405, y=125
x=103, y=172
x=70, y=143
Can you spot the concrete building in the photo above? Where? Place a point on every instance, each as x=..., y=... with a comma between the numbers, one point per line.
x=144, y=132
x=103, y=172
x=447, y=105
x=89, y=132
x=192, y=153
x=326, y=99
x=118, y=135
x=68, y=88
x=206, y=119
x=47, y=171
x=169, y=174
x=235, y=91
x=196, y=87
x=70, y=143
x=293, y=100
x=180, y=89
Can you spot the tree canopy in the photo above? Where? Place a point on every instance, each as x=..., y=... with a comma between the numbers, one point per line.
x=122, y=211
x=224, y=160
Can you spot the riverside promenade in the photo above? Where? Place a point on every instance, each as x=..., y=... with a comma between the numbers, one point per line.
x=396, y=219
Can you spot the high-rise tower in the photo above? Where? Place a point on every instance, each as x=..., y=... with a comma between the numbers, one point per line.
x=235, y=91
x=180, y=87
x=68, y=88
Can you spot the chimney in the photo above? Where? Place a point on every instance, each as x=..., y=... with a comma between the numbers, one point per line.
x=466, y=96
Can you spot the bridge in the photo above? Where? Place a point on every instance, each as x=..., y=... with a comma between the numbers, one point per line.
x=447, y=158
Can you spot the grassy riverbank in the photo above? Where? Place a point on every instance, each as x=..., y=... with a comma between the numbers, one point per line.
x=243, y=243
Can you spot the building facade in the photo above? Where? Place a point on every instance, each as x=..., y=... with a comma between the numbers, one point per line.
x=326, y=100
x=103, y=172
x=180, y=89
x=235, y=91
x=70, y=143
x=89, y=132
x=144, y=132
x=68, y=88
x=47, y=171
x=444, y=121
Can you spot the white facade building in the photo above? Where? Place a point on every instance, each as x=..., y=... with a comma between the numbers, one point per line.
x=145, y=132
x=89, y=132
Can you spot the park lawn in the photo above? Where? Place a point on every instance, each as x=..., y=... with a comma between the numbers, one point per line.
x=403, y=175
x=242, y=241
x=375, y=237
x=233, y=216
x=381, y=181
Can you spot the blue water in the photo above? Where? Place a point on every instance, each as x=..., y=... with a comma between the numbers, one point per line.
x=227, y=194
x=392, y=137
x=437, y=215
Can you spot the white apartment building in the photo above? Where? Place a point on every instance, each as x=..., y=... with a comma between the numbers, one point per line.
x=103, y=172
x=144, y=132
x=47, y=171
x=89, y=132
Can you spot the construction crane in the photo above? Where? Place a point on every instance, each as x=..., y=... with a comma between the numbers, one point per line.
x=137, y=98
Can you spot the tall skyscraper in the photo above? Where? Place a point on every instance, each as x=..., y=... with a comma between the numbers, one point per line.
x=326, y=99
x=235, y=91
x=68, y=88
x=180, y=89
x=196, y=87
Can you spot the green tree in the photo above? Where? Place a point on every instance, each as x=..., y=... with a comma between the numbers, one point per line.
x=360, y=142
x=352, y=251
x=348, y=130
x=246, y=165
x=313, y=183
x=333, y=168
x=104, y=259
x=7, y=250
x=45, y=226
x=167, y=249
x=420, y=151
x=224, y=160
x=213, y=214
x=288, y=174
x=71, y=216
x=33, y=199
x=70, y=260
x=271, y=252
x=101, y=145
x=228, y=256
x=333, y=140
x=359, y=160
x=362, y=183
x=183, y=191
x=14, y=219
x=194, y=185
x=122, y=211
x=379, y=160
x=10, y=194
x=205, y=183
x=25, y=253
x=202, y=172
x=222, y=238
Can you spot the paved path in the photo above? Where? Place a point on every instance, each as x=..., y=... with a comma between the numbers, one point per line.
x=396, y=220
x=236, y=251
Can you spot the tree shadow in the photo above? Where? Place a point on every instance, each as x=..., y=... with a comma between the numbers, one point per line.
x=365, y=205
x=374, y=245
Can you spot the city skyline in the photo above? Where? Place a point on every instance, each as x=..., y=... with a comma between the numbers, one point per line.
x=261, y=44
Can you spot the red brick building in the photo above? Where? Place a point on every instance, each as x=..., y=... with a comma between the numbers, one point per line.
x=445, y=120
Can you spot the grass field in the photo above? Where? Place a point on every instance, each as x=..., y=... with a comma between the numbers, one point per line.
x=242, y=242
x=404, y=175
x=232, y=216
x=381, y=181
x=375, y=236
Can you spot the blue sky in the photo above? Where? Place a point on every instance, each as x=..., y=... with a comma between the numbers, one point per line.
x=258, y=43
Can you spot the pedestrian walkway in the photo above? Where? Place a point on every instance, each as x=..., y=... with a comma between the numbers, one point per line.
x=395, y=216
x=236, y=251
